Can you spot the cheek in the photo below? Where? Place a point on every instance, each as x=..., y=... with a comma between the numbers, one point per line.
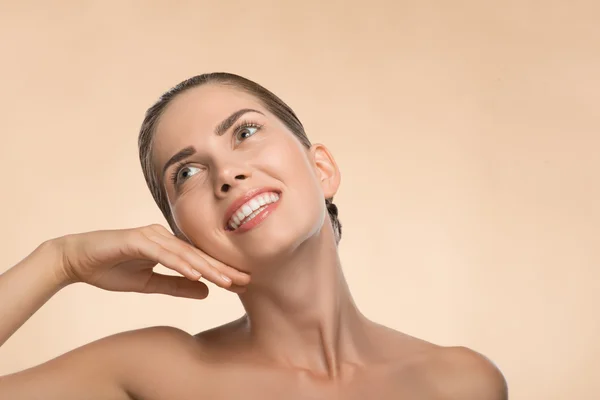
x=195, y=219
x=287, y=160
x=305, y=203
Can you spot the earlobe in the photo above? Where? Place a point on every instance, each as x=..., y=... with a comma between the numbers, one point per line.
x=327, y=169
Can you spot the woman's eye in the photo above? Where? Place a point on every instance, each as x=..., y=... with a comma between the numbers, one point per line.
x=186, y=172
x=246, y=132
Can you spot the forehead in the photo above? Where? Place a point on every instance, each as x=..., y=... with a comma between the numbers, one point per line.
x=195, y=113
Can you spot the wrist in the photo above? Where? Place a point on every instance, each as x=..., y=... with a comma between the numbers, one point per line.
x=51, y=256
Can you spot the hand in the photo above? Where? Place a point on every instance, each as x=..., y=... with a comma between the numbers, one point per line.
x=123, y=260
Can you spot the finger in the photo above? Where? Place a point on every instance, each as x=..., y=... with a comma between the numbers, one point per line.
x=175, y=286
x=176, y=246
x=142, y=246
x=238, y=277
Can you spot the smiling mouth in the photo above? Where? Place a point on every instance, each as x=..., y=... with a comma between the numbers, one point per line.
x=251, y=209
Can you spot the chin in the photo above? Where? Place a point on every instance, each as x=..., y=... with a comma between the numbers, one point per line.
x=272, y=245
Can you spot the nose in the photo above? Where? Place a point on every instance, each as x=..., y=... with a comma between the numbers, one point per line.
x=229, y=177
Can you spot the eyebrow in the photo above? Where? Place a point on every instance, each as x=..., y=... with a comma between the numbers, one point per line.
x=219, y=131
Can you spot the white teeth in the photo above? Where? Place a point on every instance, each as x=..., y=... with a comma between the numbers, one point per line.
x=246, y=210
x=251, y=209
x=254, y=204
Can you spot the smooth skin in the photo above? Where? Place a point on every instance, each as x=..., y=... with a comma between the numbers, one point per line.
x=302, y=336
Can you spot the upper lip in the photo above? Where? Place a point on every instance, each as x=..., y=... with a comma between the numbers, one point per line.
x=240, y=201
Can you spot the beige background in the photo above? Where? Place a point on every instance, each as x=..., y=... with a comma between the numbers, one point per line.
x=467, y=132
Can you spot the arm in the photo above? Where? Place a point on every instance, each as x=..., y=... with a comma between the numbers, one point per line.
x=25, y=287
x=92, y=372
x=88, y=372
x=116, y=260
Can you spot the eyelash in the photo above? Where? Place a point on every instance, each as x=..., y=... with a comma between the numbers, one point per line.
x=246, y=124
x=236, y=131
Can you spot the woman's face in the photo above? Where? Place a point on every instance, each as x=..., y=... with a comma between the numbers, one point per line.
x=239, y=160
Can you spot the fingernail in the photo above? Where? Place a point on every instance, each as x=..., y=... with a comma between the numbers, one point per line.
x=196, y=274
x=226, y=278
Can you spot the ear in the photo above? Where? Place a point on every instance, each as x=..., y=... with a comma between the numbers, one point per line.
x=327, y=170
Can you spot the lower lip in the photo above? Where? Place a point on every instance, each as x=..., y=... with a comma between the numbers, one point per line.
x=258, y=219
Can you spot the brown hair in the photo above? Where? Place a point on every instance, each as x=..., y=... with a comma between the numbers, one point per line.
x=273, y=103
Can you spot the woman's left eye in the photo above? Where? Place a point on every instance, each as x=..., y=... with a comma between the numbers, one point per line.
x=245, y=132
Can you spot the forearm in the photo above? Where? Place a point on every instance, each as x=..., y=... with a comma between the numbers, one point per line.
x=25, y=287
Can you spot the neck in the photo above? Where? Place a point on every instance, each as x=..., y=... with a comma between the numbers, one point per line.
x=301, y=312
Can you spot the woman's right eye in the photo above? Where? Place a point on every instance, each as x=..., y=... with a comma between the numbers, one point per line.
x=183, y=173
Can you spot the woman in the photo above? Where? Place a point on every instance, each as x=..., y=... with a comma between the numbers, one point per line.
x=249, y=201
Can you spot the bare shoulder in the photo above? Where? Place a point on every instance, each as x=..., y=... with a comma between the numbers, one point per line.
x=150, y=336
x=151, y=361
x=462, y=373
x=135, y=345
x=155, y=349
x=112, y=367
x=449, y=373
x=144, y=351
